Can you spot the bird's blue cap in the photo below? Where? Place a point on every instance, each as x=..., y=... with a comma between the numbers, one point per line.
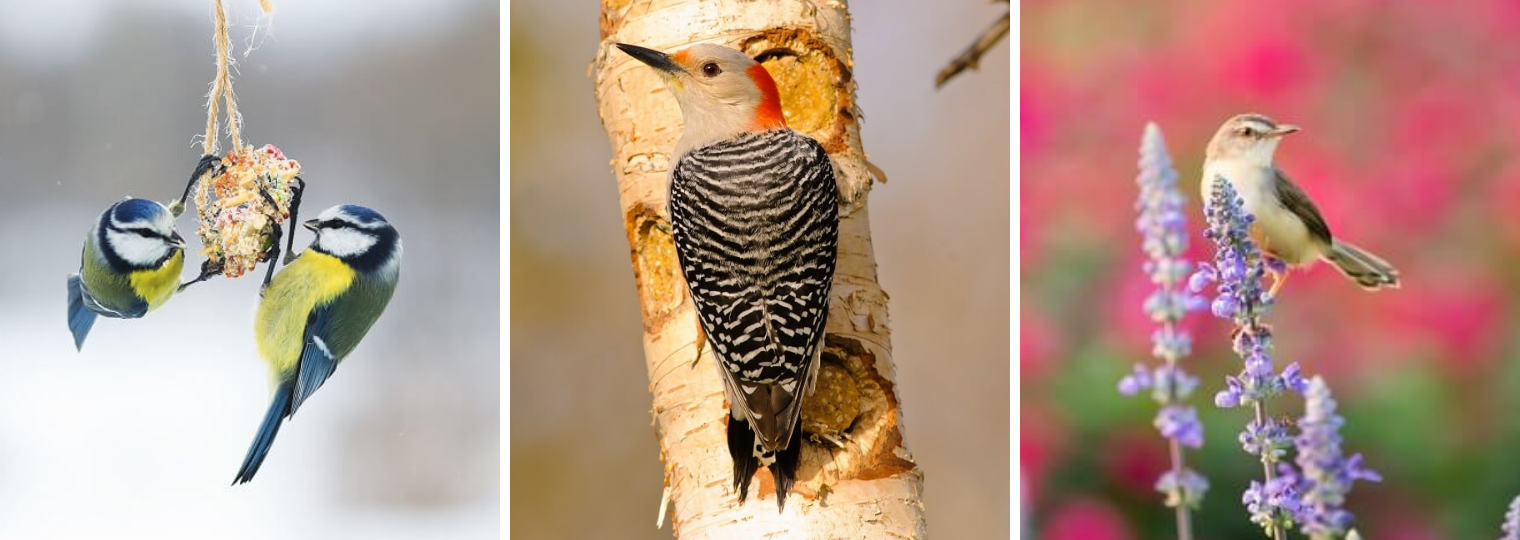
x=363, y=215
x=133, y=210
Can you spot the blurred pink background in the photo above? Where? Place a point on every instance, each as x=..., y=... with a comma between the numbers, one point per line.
x=1410, y=113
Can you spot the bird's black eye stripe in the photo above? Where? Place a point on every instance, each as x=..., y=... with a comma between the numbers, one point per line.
x=150, y=233
x=711, y=69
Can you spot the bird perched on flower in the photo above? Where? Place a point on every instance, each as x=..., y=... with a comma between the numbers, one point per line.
x=754, y=214
x=317, y=309
x=130, y=265
x=1287, y=225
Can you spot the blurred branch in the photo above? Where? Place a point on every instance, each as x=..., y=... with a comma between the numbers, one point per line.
x=862, y=482
x=972, y=57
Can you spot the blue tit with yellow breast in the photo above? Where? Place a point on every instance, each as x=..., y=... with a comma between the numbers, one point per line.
x=130, y=265
x=317, y=309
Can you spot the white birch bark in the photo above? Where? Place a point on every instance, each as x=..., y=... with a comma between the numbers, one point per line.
x=856, y=478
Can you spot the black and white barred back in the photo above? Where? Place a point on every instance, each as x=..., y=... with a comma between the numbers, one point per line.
x=756, y=227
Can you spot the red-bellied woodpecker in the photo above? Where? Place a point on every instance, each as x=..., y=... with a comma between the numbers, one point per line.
x=755, y=215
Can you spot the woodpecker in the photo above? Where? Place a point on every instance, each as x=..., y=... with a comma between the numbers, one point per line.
x=754, y=212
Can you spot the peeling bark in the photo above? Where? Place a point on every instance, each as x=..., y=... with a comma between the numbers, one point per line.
x=856, y=478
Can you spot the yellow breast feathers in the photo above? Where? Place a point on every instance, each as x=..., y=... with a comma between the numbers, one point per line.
x=313, y=279
x=157, y=285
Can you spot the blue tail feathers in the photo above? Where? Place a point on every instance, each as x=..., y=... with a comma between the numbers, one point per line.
x=80, y=318
x=278, y=410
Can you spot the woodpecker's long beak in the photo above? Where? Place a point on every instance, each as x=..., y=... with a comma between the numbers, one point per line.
x=1284, y=129
x=310, y=224
x=655, y=59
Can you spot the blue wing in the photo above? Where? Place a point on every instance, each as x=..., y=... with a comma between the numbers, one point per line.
x=80, y=319
x=318, y=359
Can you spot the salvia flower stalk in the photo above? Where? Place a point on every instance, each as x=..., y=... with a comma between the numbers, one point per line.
x=1327, y=475
x=1162, y=224
x=1237, y=269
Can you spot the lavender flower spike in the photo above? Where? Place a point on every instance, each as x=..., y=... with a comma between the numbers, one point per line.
x=1238, y=268
x=1162, y=224
x=1327, y=475
x=1511, y=526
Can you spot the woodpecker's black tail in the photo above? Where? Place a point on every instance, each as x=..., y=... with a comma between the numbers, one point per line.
x=746, y=452
x=784, y=469
x=80, y=317
x=278, y=410
x=741, y=446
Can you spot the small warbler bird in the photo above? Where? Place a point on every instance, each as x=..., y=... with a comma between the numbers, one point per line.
x=1288, y=226
x=317, y=309
x=130, y=265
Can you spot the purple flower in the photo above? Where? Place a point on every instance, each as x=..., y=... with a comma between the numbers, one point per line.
x=1169, y=342
x=1225, y=307
x=1186, y=487
x=1180, y=424
x=1267, y=438
x=1274, y=504
x=1162, y=224
x=1327, y=474
x=1138, y=379
x=1231, y=395
x=1511, y=526
x=1293, y=380
x=1202, y=278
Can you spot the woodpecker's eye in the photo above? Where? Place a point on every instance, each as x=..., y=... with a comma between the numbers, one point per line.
x=711, y=69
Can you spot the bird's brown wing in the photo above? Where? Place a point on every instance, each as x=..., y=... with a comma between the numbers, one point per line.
x=1297, y=202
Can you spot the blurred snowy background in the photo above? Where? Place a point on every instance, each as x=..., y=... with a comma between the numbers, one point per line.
x=389, y=104
x=586, y=461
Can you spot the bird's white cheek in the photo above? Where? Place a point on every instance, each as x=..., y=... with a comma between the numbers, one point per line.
x=345, y=242
x=137, y=249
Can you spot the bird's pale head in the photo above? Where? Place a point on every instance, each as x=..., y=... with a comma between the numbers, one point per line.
x=140, y=232
x=722, y=91
x=1251, y=137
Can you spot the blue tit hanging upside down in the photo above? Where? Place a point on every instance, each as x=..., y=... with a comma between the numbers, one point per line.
x=130, y=265
x=317, y=309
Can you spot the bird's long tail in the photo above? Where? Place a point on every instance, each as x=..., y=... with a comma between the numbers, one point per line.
x=1367, y=270
x=278, y=410
x=744, y=448
x=80, y=318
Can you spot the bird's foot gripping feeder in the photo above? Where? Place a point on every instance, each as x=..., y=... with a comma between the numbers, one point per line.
x=240, y=202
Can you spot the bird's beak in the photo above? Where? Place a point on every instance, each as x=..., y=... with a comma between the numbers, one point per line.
x=176, y=240
x=310, y=224
x=655, y=59
x=1284, y=129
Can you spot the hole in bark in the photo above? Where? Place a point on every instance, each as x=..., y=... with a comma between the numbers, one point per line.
x=655, y=266
x=834, y=406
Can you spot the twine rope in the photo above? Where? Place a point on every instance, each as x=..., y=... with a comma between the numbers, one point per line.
x=221, y=88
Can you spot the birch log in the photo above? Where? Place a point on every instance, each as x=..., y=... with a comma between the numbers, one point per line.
x=856, y=478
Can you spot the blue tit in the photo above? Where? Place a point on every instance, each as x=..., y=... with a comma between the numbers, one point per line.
x=130, y=265
x=317, y=309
